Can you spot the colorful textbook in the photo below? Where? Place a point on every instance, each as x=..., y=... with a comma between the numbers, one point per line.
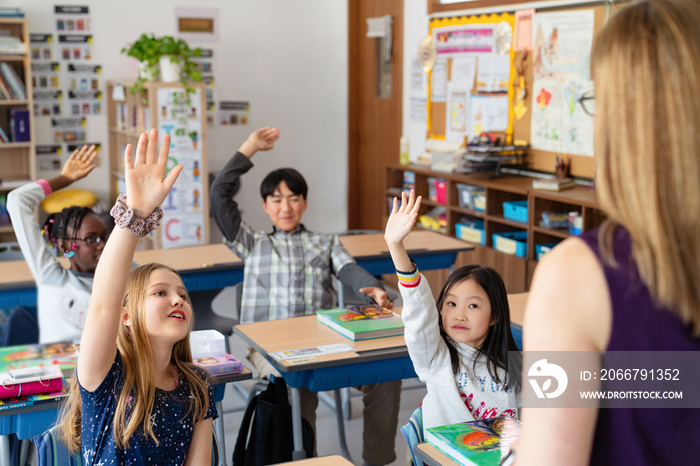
x=477, y=443
x=362, y=322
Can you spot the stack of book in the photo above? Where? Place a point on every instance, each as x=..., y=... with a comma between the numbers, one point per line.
x=482, y=443
x=11, y=45
x=554, y=184
x=362, y=322
x=11, y=86
x=11, y=12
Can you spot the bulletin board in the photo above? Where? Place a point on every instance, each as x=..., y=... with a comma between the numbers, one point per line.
x=436, y=111
x=518, y=129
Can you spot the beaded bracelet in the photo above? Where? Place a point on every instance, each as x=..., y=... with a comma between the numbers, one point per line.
x=124, y=217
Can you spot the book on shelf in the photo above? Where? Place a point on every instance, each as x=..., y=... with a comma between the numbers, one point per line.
x=6, y=93
x=11, y=12
x=11, y=45
x=362, y=322
x=553, y=184
x=17, y=88
x=480, y=443
x=3, y=135
x=220, y=365
x=19, y=125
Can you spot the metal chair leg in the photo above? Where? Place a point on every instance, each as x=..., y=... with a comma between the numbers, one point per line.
x=341, y=426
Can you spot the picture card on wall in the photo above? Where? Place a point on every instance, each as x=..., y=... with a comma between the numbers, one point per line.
x=72, y=18
x=75, y=47
x=41, y=46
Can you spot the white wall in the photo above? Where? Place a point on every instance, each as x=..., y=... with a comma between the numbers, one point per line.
x=288, y=58
x=415, y=28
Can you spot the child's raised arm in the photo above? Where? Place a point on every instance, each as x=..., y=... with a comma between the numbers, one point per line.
x=146, y=189
x=400, y=223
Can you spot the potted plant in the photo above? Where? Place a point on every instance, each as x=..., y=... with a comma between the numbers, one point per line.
x=172, y=56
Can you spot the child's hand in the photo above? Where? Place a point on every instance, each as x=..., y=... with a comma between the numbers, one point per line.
x=378, y=295
x=79, y=164
x=146, y=184
x=402, y=219
x=261, y=139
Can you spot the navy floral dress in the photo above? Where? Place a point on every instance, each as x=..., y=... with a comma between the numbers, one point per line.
x=171, y=424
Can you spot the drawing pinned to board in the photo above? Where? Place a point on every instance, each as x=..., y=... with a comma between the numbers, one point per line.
x=457, y=113
x=438, y=81
x=488, y=113
x=546, y=125
x=563, y=43
x=577, y=125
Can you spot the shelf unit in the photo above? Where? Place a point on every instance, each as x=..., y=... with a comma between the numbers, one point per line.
x=120, y=136
x=17, y=159
x=516, y=271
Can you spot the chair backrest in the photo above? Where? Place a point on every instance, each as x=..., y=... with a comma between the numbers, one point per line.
x=21, y=327
x=413, y=433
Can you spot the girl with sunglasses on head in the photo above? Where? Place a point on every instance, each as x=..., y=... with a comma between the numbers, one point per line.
x=76, y=233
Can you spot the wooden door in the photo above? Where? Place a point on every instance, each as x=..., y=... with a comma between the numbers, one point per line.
x=374, y=120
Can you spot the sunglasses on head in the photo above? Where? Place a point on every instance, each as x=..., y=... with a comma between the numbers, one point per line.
x=93, y=239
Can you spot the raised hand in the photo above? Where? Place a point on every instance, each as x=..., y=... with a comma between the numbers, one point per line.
x=402, y=218
x=79, y=164
x=378, y=295
x=146, y=183
x=260, y=139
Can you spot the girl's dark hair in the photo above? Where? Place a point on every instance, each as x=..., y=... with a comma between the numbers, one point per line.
x=292, y=178
x=499, y=340
x=57, y=225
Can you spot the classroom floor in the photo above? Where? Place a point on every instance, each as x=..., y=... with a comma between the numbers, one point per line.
x=326, y=428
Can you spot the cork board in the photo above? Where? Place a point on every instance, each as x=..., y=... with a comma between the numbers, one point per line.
x=540, y=160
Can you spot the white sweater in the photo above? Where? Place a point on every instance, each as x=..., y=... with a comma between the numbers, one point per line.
x=471, y=394
x=63, y=296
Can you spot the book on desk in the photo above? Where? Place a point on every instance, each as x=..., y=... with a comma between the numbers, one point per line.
x=481, y=443
x=362, y=322
x=32, y=400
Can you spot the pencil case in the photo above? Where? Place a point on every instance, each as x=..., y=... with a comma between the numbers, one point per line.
x=50, y=381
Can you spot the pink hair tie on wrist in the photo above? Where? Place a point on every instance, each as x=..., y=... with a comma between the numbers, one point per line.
x=124, y=217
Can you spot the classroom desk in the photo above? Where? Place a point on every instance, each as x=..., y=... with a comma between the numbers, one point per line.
x=334, y=460
x=211, y=266
x=29, y=421
x=516, y=303
x=428, y=249
x=430, y=455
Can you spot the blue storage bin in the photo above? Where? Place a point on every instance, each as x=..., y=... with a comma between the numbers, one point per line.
x=515, y=210
x=471, y=234
x=512, y=242
x=542, y=249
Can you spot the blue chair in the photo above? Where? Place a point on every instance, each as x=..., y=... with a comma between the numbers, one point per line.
x=21, y=327
x=51, y=451
x=413, y=433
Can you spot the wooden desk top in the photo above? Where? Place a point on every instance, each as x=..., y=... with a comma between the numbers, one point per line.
x=430, y=454
x=360, y=246
x=15, y=273
x=190, y=258
x=335, y=460
x=517, y=302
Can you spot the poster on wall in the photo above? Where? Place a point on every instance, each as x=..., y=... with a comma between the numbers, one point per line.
x=180, y=116
x=72, y=18
x=233, y=113
x=466, y=38
x=197, y=24
x=68, y=129
x=75, y=47
x=48, y=157
x=47, y=103
x=45, y=75
x=41, y=46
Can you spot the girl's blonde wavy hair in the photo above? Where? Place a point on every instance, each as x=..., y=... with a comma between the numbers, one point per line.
x=646, y=68
x=139, y=380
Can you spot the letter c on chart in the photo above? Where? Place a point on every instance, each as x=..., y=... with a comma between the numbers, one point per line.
x=167, y=229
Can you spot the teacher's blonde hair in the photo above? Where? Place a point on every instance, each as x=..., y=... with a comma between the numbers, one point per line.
x=646, y=68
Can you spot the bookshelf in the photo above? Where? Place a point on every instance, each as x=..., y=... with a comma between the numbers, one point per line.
x=186, y=211
x=516, y=271
x=17, y=159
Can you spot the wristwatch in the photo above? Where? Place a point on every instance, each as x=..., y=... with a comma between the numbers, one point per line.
x=124, y=217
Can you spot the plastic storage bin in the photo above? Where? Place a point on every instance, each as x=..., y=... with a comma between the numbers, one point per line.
x=513, y=242
x=472, y=234
x=437, y=190
x=515, y=210
x=543, y=249
x=465, y=194
x=479, y=199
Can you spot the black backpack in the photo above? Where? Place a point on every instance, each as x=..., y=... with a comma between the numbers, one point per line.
x=271, y=439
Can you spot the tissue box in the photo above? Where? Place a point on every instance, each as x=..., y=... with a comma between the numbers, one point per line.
x=207, y=344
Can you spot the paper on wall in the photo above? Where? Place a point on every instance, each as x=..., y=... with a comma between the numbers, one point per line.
x=418, y=80
x=562, y=48
x=547, y=110
x=523, y=30
x=577, y=125
x=419, y=112
x=438, y=81
x=493, y=73
x=487, y=113
x=463, y=72
x=457, y=116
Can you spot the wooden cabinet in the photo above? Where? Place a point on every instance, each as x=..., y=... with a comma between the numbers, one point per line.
x=516, y=271
x=166, y=107
x=17, y=159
